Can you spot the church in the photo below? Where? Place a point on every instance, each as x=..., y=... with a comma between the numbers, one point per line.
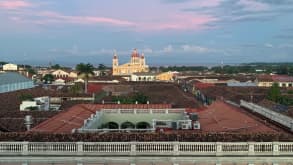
x=136, y=65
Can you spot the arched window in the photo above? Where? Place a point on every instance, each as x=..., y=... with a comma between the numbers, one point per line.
x=127, y=125
x=143, y=125
x=112, y=125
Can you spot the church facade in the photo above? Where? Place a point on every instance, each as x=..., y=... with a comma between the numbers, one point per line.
x=137, y=64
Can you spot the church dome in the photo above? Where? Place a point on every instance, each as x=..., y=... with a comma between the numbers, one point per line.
x=135, y=53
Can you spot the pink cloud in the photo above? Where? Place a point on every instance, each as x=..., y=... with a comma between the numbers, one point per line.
x=175, y=22
x=208, y=3
x=54, y=17
x=170, y=21
x=180, y=22
x=14, y=4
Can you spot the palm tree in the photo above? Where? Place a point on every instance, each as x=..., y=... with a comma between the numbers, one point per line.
x=85, y=71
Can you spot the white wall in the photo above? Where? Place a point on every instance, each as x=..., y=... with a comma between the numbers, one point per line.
x=10, y=67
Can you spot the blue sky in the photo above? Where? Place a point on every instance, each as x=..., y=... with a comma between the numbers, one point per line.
x=168, y=32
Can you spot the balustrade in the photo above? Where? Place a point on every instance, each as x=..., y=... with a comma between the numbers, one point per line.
x=142, y=148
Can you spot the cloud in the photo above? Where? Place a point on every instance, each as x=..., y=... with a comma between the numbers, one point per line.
x=147, y=50
x=268, y=45
x=47, y=17
x=229, y=11
x=178, y=22
x=197, y=3
x=74, y=50
x=252, y=5
x=168, y=49
x=195, y=49
x=14, y=4
x=288, y=45
x=175, y=22
x=175, y=1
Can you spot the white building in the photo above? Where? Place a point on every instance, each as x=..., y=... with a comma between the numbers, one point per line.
x=59, y=82
x=60, y=73
x=143, y=76
x=10, y=67
x=73, y=74
x=39, y=103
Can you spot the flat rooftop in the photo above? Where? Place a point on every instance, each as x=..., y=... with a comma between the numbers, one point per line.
x=216, y=118
x=74, y=117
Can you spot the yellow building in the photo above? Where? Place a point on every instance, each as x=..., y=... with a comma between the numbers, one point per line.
x=166, y=76
x=136, y=65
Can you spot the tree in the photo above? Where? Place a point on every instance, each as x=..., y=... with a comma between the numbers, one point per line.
x=102, y=67
x=26, y=97
x=48, y=78
x=85, y=71
x=76, y=88
x=274, y=93
x=31, y=71
x=283, y=69
x=140, y=98
x=3, y=63
x=56, y=66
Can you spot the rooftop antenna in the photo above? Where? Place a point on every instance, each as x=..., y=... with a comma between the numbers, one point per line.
x=222, y=64
x=50, y=64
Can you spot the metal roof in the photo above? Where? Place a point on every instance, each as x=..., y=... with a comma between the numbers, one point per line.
x=12, y=77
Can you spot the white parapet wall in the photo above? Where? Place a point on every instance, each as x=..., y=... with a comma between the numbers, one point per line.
x=272, y=115
x=147, y=148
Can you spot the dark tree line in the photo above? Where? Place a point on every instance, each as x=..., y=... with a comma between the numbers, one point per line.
x=275, y=95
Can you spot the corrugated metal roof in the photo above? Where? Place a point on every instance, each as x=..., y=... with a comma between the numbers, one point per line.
x=11, y=77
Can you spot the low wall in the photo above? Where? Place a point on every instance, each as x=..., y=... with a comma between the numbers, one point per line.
x=147, y=148
x=60, y=99
x=272, y=115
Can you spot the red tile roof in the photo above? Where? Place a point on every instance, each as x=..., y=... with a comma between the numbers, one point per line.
x=282, y=78
x=74, y=117
x=218, y=117
x=222, y=117
x=275, y=78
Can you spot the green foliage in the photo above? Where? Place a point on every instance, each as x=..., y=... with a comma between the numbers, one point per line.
x=85, y=70
x=274, y=95
x=234, y=69
x=182, y=68
x=102, y=67
x=26, y=97
x=3, y=63
x=76, y=88
x=140, y=98
x=25, y=66
x=48, y=79
x=280, y=68
x=56, y=66
x=285, y=100
x=31, y=71
x=32, y=108
x=100, y=96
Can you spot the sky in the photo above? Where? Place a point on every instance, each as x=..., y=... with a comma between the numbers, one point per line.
x=168, y=32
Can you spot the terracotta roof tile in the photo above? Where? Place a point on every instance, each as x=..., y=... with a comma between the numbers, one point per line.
x=74, y=117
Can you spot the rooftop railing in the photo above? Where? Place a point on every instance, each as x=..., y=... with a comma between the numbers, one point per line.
x=148, y=148
x=143, y=111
